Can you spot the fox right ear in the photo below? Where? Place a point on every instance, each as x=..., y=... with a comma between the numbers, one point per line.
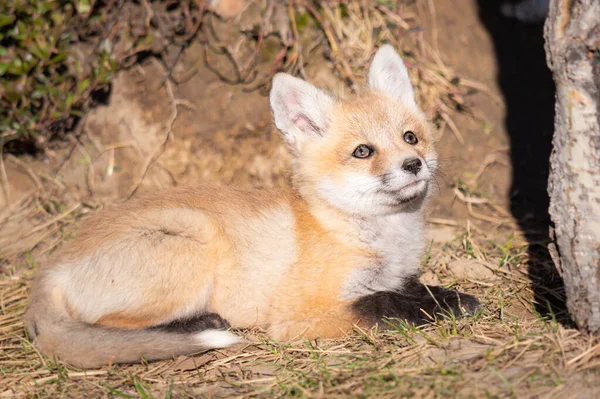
x=388, y=74
x=300, y=109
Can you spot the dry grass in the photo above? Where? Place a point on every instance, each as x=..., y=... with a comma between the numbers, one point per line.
x=509, y=349
x=520, y=345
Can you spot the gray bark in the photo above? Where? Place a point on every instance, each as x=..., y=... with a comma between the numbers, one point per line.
x=572, y=34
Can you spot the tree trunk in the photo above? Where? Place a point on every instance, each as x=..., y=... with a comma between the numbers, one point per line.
x=572, y=34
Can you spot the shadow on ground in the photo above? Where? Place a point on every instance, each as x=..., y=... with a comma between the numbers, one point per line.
x=528, y=90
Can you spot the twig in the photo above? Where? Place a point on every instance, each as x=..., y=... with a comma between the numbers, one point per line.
x=52, y=245
x=115, y=146
x=170, y=66
x=90, y=178
x=341, y=64
x=467, y=198
x=34, y=349
x=189, y=73
x=29, y=171
x=50, y=222
x=593, y=349
x=296, y=46
x=394, y=16
x=477, y=200
x=32, y=245
x=195, y=27
x=5, y=188
x=446, y=222
x=78, y=132
x=161, y=149
x=490, y=219
x=490, y=159
x=245, y=74
x=76, y=374
x=434, y=28
x=484, y=89
x=453, y=128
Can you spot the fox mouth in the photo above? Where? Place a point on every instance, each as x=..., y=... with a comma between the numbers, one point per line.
x=409, y=186
x=400, y=195
x=407, y=200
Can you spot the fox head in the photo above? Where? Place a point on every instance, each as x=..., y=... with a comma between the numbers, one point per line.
x=372, y=154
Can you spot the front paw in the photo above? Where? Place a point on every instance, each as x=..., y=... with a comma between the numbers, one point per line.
x=470, y=303
x=459, y=303
x=419, y=304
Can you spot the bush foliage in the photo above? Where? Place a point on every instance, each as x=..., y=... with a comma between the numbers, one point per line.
x=42, y=83
x=55, y=53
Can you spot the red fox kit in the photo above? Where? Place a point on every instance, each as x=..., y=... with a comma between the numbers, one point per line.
x=167, y=274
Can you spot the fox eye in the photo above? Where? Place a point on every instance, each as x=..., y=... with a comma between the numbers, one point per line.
x=410, y=138
x=363, y=151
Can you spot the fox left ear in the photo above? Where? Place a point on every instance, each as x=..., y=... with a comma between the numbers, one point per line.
x=389, y=75
x=299, y=109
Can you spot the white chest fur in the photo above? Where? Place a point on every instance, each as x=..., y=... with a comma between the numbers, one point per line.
x=399, y=242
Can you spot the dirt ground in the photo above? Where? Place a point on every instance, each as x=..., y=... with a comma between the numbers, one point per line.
x=488, y=226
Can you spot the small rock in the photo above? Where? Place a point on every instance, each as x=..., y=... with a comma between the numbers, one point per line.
x=472, y=270
x=430, y=278
x=227, y=8
x=441, y=234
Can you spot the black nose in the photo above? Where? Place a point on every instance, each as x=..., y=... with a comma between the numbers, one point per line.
x=412, y=165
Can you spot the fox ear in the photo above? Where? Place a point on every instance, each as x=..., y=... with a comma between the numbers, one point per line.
x=389, y=75
x=299, y=109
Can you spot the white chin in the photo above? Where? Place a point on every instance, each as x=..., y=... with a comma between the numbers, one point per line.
x=410, y=193
x=413, y=190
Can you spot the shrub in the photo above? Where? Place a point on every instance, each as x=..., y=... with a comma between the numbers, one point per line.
x=42, y=83
x=55, y=53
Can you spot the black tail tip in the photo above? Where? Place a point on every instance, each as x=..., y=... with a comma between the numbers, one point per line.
x=201, y=322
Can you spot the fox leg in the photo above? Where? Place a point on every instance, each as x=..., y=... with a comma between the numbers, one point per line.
x=416, y=303
x=331, y=323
